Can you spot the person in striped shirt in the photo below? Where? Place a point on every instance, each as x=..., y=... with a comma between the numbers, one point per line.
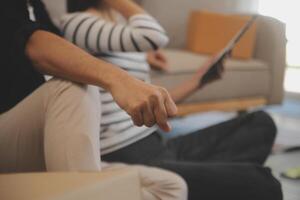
x=96, y=27
x=120, y=44
x=123, y=44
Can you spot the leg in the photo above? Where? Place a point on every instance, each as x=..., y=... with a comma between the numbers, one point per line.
x=214, y=180
x=157, y=184
x=72, y=127
x=248, y=138
x=55, y=128
x=233, y=181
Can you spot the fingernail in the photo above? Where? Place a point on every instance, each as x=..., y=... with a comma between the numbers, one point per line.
x=166, y=127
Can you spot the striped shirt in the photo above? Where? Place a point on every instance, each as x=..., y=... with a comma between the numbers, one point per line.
x=118, y=44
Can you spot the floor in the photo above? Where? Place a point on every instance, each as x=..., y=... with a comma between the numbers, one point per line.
x=292, y=81
x=287, y=118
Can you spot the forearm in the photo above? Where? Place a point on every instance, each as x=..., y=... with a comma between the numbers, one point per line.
x=53, y=55
x=183, y=90
x=127, y=8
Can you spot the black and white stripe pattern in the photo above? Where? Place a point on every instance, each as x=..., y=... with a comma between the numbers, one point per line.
x=117, y=128
x=116, y=43
x=90, y=32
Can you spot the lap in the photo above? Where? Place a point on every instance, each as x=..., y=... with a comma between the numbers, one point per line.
x=247, y=138
x=208, y=180
x=199, y=159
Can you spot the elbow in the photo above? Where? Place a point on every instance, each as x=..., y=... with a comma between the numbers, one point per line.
x=162, y=41
x=156, y=41
x=31, y=49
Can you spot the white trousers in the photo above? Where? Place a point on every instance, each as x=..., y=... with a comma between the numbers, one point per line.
x=157, y=184
x=56, y=128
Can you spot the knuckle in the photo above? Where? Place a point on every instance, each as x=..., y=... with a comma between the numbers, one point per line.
x=152, y=123
x=137, y=122
x=156, y=95
x=133, y=111
x=130, y=111
x=163, y=90
x=143, y=104
x=153, y=97
x=148, y=124
x=136, y=108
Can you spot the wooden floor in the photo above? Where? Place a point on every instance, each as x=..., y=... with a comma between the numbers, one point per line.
x=227, y=105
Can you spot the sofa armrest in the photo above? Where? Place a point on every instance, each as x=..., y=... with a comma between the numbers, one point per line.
x=111, y=184
x=271, y=48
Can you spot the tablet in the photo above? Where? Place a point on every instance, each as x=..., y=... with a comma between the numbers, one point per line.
x=214, y=69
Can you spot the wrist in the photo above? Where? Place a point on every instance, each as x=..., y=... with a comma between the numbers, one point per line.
x=114, y=77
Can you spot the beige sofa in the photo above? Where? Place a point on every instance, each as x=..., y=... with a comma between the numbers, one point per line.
x=246, y=83
x=108, y=185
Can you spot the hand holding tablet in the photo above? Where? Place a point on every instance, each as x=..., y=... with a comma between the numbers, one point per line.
x=216, y=67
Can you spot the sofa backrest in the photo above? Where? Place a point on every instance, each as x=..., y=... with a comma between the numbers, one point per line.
x=173, y=14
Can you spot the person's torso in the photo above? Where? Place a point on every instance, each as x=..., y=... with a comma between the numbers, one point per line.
x=18, y=77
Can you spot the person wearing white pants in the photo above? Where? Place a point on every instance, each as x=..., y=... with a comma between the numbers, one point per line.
x=156, y=183
x=54, y=125
x=57, y=129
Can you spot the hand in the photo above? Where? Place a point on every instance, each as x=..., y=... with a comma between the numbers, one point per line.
x=146, y=104
x=206, y=67
x=157, y=60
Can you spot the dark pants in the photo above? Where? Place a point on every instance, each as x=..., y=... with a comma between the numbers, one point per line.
x=224, y=161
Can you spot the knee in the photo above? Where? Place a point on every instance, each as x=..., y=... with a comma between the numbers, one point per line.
x=163, y=184
x=70, y=93
x=177, y=186
x=269, y=186
x=276, y=190
x=264, y=121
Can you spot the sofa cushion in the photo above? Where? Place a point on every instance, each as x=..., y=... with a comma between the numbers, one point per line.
x=242, y=78
x=204, y=36
x=109, y=185
x=182, y=61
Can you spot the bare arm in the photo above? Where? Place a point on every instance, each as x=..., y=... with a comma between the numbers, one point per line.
x=55, y=56
x=188, y=87
x=183, y=90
